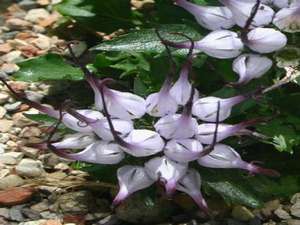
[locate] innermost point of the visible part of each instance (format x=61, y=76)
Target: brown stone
x=52, y=222
x=15, y=196
x=5, y=48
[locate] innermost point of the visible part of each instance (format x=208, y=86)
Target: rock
x=295, y=209
x=49, y=215
x=11, y=181
x=9, y=68
x=17, y=24
x=38, y=29
x=21, y=121
x=31, y=214
x=234, y=222
x=3, y=98
x=42, y=42
x=15, y=196
x=270, y=207
x=30, y=132
x=15, y=214
x=34, y=96
x=112, y=219
x=4, y=138
x=242, y=213
x=293, y=222
x=30, y=152
x=6, y=125
x=37, y=222
x=2, y=112
x=144, y=210
x=4, y=172
x=11, y=158
x=35, y=15
x=53, y=222
x=4, y=212
x=282, y=214
x=12, y=57
x=62, y=166
x=13, y=106
x=80, y=202
x=5, y=48
x=295, y=198
x=41, y=206
x=30, y=168
x=27, y=4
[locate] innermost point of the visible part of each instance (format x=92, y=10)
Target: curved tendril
x=245, y=30
x=208, y=149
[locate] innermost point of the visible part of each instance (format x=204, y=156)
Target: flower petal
x=76, y=141
x=131, y=179
x=288, y=19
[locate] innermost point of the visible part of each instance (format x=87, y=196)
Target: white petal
x=266, y=40
x=76, y=141
x=206, y=132
x=251, y=66
x=210, y=17
x=191, y=185
x=167, y=171
x=143, y=143
x=74, y=124
x=242, y=10
x=288, y=19
x=99, y=152
x=131, y=179
x=223, y=156
x=281, y=3
x=122, y=127
x=183, y=150
x=176, y=126
x=221, y=44
x=159, y=104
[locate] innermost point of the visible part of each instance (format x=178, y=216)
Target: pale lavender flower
x=141, y=143
x=131, y=179
x=76, y=141
x=183, y=150
x=251, y=66
x=206, y=108
x=210, y=17
x=265, y=40
x=167, y=171
x=242, y=10
x=288, y=19
x=191, y=185
x=176, y=126
x=223, y=156
x=161, y=103
x=206, y=131
x=100, y=152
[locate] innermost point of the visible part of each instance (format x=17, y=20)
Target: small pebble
x=30, y=168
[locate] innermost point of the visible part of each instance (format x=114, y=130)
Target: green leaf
x=47, y=68
x=146, y=40
x=104, y=16
x=40, y=118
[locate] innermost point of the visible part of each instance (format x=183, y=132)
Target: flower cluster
x=186, y=127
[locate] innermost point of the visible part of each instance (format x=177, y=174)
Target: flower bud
x=99, y=152
x=183, y=150
x=223, y=156
x=242, y=10
x=251, y=66
x=131, y=179
x=161, y=103
x=191, y=185
x=206, y=108
x=141, y=143
x=176, y=126
x=209, y=17
x=265, y=40
x=167, y=171
x=76, y=141
x=288, y=19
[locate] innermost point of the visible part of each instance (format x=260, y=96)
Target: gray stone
x=17, y=24
x=6, y=125
x=8, y=35
x=31, y=214
x=15, y=214
x=30, y=168
x=35, y=15
x=12, y=106
x=11, y=181
x=4, y=173
x=41, y=206
x=293, y=222
x=12, y=57
x=34, y=96
x=49, y=215
x=2, y=148
x=30, y=152
x=295, y=209
x=11, y=158
x=4, y=212
x=295, y=198
x=27, y=4
x=282, y=214
x=4, y=138
x=36, y=222
x=30, y=132
x=3, y=97
x=2, y=112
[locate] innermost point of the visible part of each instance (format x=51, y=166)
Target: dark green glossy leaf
x=46, y=68
x=147, y=41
